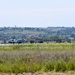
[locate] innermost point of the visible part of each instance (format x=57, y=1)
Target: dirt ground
x=42, y=73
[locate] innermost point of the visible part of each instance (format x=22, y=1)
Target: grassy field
x=57, y=57
x=36, y=46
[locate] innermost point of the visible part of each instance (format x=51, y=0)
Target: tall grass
x=32, y=61
x=36, y=57
x=20, y=67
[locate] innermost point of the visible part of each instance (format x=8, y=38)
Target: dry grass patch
x=42, y=73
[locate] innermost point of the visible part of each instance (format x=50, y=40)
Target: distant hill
x=43, y=33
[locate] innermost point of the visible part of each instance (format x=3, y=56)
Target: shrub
x=49, y=66
x=60, y=66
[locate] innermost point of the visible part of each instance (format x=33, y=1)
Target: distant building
x=17, y=41
x=21, y=41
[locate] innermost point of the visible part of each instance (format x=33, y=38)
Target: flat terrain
x=50, y=58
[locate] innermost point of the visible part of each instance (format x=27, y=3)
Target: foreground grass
x=37, y=57
x=34, y=61
x=20, y=67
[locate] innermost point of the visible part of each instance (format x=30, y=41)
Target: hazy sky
x=37, y=13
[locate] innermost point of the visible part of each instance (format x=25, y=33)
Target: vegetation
x=50, y=49
x=59, y=57
x=39, y=46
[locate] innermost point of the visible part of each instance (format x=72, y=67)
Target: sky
x=37, y=13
